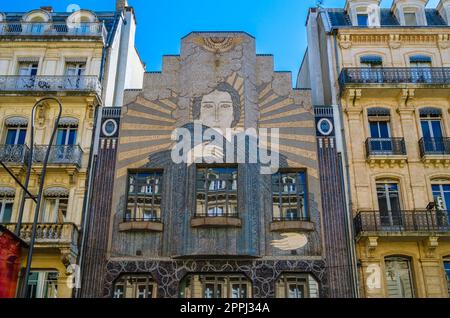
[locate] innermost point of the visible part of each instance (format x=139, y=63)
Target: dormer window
x=363, y=19
x=410, y=18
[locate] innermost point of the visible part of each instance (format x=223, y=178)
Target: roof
x=339, y=18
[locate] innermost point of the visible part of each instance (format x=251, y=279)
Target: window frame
x=128, y=216
x=228, y=192
x=302, y=215
x=132, y=281
x=409, y=261
x=5, y=200
x=42, y=283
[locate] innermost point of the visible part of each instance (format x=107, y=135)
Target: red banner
x=10, y=248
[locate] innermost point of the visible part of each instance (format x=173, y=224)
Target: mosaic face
x=216, y=110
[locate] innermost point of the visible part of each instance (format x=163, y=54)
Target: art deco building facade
x=387, y=71
x=168, y=229
x=74, y=57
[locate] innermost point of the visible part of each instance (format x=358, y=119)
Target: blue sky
x=278, y=25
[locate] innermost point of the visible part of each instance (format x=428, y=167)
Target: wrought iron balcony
x=14, y=154
x=395, y=75
x=434, y=146
x=78, y=84
x=47, y=29
x=128, y=218
x=402, y=221
x=59, y=155
x=385, y=147
x=49, y=233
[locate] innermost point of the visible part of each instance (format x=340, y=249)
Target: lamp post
x=23, y=288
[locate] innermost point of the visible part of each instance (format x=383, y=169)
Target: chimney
x=47, y=8
x=121, y=4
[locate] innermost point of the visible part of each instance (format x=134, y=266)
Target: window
x=55, y=210
x=217, y=192
x=432, y=132
x=363, y=19
x=421, y=68
x=67, y=136
x=213, y=286
x=447, y=272
x=371, y=68
x=16, y=136
x=43, y=284
x=74, y=73
x=27, y=72
x=441, y=194
x=380, y=134
x=399, y=277
x=144, y=196
x=6, y=205
x=129, y=286
x=297, y=286
x=410, y=19
x=289, y=196
x=389, y=204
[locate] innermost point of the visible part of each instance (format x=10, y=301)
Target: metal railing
x=434, y=146
x=385, y=146
x=395, y=75
x=60, y=154
x=233, y=215
x=90, y=29
x=145, y=219
x=14, y=154
x=402, y=221
x=43, y=83
x=290, y=218
x=62, y=233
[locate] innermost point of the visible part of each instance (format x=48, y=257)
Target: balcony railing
x=155, y=219
x=434, y=146
x=59, y=155
x=51, y=233
x=385, y=147
x=14, y=154
x=395, y=75
x=92, y=29
x=290, y=218
x=402, y=221
x=234, y=215
x=19, y=83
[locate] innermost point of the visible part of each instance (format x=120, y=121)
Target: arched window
x=135, y=286
x=441, y=196
x=36, y=22
x=399, y=279
x=293, y=285
x=82, y=22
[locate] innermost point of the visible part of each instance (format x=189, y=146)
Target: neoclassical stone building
x=163, y=228
x=387, y=71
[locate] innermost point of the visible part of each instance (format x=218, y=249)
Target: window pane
x=72, y=137
x=410, y=19
x=363, y=19
x=288, y=194
x=144, y=196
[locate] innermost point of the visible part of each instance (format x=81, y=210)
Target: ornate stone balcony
x=416, y=223
x=10, y=84
x=63, y=236
x=14, y=154
x=50, y=29
x=386, y=151
x=435, y=151
x=395, y=77
x=67, y=155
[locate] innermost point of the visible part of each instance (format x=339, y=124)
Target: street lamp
x=23, y=288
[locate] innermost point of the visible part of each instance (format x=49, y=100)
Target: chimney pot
x=121, y=4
